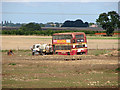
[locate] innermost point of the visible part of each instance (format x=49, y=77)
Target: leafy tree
x=77, y=23
x=109, y=21
x=91, y=24
x=57, y=24
x=31, y=27
x=42, y=25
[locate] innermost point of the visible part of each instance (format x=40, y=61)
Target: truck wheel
x=33, y=53
x=45, y=53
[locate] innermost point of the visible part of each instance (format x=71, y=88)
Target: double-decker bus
x=69, y=43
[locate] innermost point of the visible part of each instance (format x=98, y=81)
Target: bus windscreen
x=79, y=36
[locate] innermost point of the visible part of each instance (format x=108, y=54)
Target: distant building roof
x=94, y=25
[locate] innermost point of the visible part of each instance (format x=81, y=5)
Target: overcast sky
x=42, y=12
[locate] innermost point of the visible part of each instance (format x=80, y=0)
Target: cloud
x=60, y=0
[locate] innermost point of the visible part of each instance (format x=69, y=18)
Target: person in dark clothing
x=10, y=52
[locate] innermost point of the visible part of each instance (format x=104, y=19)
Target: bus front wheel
x=68, y=53
x=79, y=53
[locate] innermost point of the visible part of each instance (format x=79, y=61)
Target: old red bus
x=69, y=43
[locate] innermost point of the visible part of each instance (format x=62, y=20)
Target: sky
x=42, y=12
x=60, y=0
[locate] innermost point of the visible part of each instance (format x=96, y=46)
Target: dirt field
x=22, y=70
x=25, y=42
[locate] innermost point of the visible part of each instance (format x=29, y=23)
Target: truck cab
x=42, y=49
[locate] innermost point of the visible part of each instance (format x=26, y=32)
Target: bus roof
x=75, y=33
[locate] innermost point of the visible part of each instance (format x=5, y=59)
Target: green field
x=103, y=37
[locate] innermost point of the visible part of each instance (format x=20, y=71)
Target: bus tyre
x=68, y=53
x=81, y=53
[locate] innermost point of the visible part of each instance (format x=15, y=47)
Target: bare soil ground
x=25, y=42
x=22, y=70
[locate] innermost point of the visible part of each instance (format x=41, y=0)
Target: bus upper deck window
x=54, y=37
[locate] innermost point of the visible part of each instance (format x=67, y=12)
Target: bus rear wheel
x=68, y=53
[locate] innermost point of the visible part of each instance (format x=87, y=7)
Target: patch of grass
x=103, y=38
x=91, y=35
x=40, y=38
x=118, y=49
x=45, y=67
x=12, y=64
x=117, y=69
x=29, y=54
x=98, y=52
x=24, y=50
x=6, y=50
x=15, y=50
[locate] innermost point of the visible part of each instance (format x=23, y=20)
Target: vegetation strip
x=104, y=38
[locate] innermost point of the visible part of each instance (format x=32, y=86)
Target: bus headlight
x=85, y=45
x=79, y=50
x=82, y=40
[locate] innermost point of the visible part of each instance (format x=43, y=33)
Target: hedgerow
x=43, y=32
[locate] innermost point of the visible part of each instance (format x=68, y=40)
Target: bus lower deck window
x=63, y=47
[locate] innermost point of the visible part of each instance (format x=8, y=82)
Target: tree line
x=109, y=21
x=44, y=32
x=35, y=29
x=10, y=24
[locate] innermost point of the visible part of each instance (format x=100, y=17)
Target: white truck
x=42, y=49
